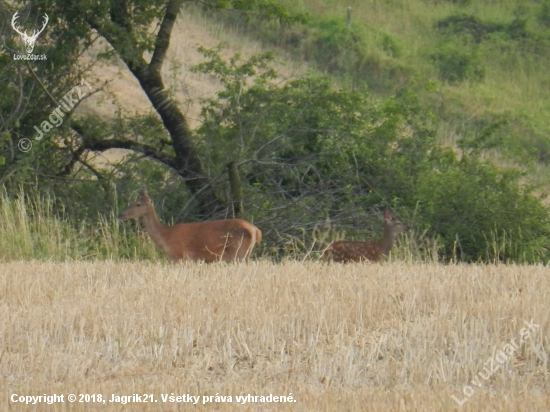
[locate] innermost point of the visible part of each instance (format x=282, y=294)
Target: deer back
x=231, y=239
x=345, y=251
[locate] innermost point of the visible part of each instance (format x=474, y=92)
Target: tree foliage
x=308, y=152
x=138, y=32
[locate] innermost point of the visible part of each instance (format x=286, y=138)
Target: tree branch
x=148, y=151
x=74, y=159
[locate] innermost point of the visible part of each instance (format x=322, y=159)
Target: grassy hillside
x=406, y=76
x=354, y=338
x=482, y=66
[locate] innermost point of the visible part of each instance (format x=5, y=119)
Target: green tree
x=125, y=25
x=309, y=152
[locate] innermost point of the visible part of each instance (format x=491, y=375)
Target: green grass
x=34, y=230
x=399, y=38
x=513, y=79
x=33, y=227
x=392, y=43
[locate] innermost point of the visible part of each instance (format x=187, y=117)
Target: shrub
x=458, y=60
x=482, y=213
x=309, y=152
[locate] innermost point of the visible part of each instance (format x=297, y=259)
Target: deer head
x=29, y=40
x=139, y=208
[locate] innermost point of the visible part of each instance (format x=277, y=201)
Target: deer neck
x=387, y=241
x=153, y=226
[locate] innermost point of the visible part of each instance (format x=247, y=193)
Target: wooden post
x=236, y=190
x=349, y=18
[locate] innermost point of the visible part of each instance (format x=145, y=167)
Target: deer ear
x=387, y=215
x=144, y=195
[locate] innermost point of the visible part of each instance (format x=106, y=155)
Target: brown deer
x=231, y=239
x=375, y=251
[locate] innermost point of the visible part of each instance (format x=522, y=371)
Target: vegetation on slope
x=435, y=108
x=477, y=64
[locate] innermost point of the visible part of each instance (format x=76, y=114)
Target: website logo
x=29, y=40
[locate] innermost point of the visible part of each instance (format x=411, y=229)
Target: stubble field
x=327, y=337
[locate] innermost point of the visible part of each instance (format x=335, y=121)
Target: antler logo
x=29, y=40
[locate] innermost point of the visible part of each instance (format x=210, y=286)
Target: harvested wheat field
x=320, y=337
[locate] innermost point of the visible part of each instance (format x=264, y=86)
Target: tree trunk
x=236, y=190
x=187, y=162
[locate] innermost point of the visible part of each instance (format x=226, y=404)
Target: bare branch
x=148, y=151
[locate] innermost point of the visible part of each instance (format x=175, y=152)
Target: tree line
x=298, y=158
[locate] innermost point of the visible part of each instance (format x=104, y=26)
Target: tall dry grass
x=35, y=227
x=355, y=337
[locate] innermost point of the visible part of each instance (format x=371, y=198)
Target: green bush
x=347, y=155
x=357, y=53
x=460, y=2
x=458, y=60
x=482, y=213
x=544, y=13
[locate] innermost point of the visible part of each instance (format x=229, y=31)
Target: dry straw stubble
x=338, y=337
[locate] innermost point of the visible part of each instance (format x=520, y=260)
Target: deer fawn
x=345, y=252
x=231, y=239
